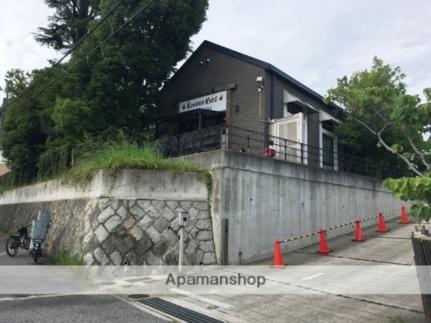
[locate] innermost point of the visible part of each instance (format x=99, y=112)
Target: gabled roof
x=267, y=66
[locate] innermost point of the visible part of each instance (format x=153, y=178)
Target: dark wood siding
x=223, y=72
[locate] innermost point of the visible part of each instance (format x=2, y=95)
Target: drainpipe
x=272, y=112
x=271, y=109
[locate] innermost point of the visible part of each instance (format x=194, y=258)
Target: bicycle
x=21, y=240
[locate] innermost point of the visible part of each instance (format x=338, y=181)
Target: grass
x=67, y=259
x=116, y=156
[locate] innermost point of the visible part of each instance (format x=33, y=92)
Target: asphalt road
x=72, y=309
x=75, y=308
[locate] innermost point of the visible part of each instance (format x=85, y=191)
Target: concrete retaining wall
x=131, y=217
x=257, y=200
x=127, y=184
x=127, y=218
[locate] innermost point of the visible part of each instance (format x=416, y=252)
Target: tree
x=128, y=71
x=356, y=141
x=69, y=23
x=22, y=135
x=377, y=100
x=110, y=86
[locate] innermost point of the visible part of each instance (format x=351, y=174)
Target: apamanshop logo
x=215, y=280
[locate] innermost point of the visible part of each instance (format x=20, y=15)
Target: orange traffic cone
x=278, y=258
x=404, y=216
x=381, y=224
x=358, y=232
x=324, y=249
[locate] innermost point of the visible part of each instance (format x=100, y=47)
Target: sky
x=18, y=49
x=314, y=41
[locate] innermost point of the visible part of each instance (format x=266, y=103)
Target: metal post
x=302, y=154
x=178, y=145
x=183, y=219
x=200, y=134
x=181, y=252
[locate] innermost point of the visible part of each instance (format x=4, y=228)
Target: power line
x=92, y=51
x=85, y=57
x=69, y=51
x=83, y=38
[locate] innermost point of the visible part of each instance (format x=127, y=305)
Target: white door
x=288, y=137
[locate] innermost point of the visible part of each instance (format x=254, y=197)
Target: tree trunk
x=81, y=16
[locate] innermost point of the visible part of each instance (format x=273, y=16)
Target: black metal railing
x=205, y=139
x=260, y=144
x=256, y=143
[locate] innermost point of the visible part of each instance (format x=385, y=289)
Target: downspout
x=271, y=114
x=271, y=109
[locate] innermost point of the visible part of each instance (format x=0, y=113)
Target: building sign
x=213, y=102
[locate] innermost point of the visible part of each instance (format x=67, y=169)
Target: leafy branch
x=377, y=100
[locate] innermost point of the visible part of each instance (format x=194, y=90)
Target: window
x=328, y=125
x=293, y=108
x=328, y=151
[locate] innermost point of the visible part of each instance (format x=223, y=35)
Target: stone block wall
x=127, y=219
x=145, y=232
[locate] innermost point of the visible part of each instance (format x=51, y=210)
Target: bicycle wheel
x=37, y=253
x=12, y=246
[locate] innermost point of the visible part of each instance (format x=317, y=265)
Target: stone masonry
x=145, y=232
x=126, y=218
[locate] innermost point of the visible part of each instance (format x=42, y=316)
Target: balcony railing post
x=179, y=145
x=301, y=145
x=201, y=134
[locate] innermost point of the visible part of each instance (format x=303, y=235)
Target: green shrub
x=67, y=259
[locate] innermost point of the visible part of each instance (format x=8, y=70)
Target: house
x=256, y=104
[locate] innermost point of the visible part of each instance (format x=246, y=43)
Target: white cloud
x=18, y=49
x=318, y=41
x=314, y=41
